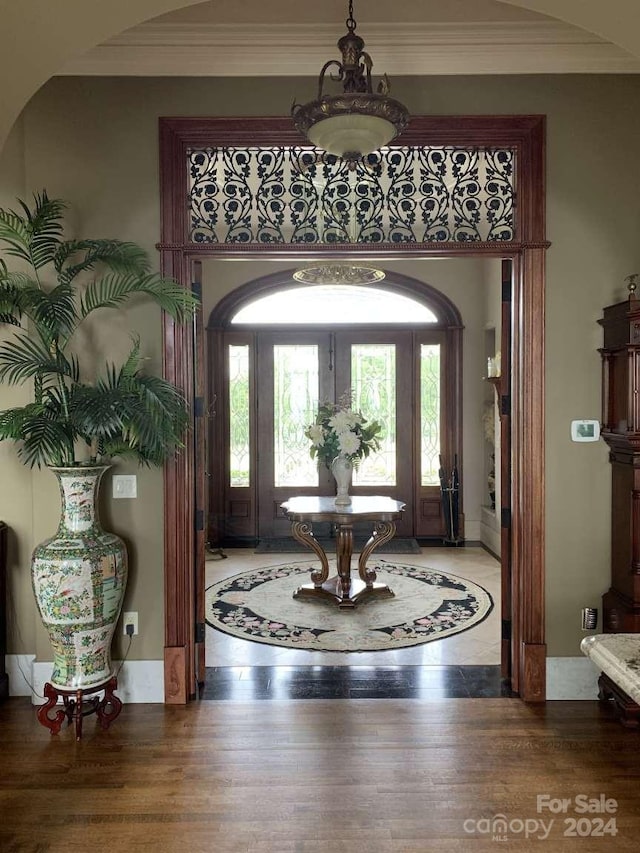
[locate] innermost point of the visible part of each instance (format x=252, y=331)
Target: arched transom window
x=337, y=304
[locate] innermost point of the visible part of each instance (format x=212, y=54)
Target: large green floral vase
x=79, y=577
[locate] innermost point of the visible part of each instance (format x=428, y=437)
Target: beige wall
x=15, y=482
x=94, y=141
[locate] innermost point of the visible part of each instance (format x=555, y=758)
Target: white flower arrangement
x=340, y=431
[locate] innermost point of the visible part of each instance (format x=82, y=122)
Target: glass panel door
x=295, y=402
x=239, y=416
x=373, y=384
x=232, y=435
x=377, y=367
x=431, y=437
x=429, y=414
x=293, y=375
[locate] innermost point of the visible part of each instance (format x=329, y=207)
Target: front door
x=275, y=380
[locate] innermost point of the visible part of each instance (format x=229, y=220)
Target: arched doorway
x=278, y=349
x=523, y=404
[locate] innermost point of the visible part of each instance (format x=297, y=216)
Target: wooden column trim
x=179, y=512
x=528, y=476
x=175, y=675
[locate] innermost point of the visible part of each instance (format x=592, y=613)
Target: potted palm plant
x=79, y=420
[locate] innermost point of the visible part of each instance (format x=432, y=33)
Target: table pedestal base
x=332, y=590
x=75, y=706
x=342, y=589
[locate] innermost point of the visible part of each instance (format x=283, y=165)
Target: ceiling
x=289, y=38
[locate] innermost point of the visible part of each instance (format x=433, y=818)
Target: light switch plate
x=125, y=486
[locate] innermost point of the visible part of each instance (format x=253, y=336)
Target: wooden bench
x=617, y=656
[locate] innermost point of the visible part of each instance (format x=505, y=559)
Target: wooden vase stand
x=76, y=706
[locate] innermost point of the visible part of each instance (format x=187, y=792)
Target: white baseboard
x=490, y=535
x=571, y=678
x=139, y=681
x=471, y=529
x=20, y=672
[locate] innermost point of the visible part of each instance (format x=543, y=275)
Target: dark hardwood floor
x=321, y=776
x=352, y=682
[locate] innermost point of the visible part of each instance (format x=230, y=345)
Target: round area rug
x=428, y=605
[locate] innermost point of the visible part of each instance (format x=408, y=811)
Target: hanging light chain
x=350, y=22
x=355, y=121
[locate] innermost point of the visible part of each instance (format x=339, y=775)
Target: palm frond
x=74, y=367
x=115, y=289
x=96, y=411
x=131, y=366
x=12, y=420
x=42, y=437
x=153, y=413
x=20, y=295
x=56, y=310
x=10, y=308
x=157, y=422
x=22, y=358
x=117, y=255
x=9, y=319
x=16, y=280
x=44, y=228
x=35, y=235
x=46, y=442
x=14, y=233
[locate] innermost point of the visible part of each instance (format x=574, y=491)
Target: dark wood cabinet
x=4, y=678
x=621, y=431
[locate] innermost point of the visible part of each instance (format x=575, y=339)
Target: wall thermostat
x=585, y=430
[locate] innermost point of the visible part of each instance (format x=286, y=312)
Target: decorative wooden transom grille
x=298, y=196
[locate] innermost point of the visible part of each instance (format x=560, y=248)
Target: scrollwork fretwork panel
x=297, y=196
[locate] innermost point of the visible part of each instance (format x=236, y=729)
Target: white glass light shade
x=351, y=134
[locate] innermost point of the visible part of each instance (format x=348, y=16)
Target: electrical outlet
x=125, y=486
x=130, y=619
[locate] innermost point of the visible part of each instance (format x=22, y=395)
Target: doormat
x=289, y=545
x=428, y=605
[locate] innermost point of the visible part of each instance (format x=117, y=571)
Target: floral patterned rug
x=428, y=605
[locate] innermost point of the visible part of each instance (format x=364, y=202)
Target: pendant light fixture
x=357, y=121
x=337, y=273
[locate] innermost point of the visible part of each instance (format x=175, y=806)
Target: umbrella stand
x=450, y=497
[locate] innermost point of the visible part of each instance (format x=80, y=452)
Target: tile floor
x=477, y=647
x=251, y=683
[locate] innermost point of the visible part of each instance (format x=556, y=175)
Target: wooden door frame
x=526, y=135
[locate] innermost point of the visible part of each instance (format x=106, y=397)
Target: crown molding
x=169, y=49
